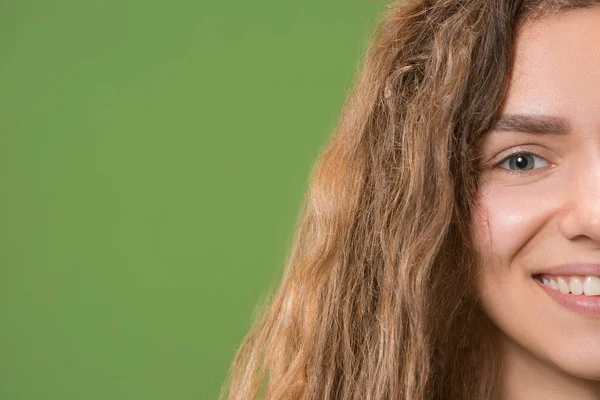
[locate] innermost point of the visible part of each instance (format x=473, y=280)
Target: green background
x=154, y=158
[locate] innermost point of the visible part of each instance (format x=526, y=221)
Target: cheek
x=502, y=224
x=504, y=231
x=507, y=228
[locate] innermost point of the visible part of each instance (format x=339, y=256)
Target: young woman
x=450, y=244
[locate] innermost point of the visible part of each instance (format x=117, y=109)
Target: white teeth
x=591, y=286
x=576, y=286
x=563, y=286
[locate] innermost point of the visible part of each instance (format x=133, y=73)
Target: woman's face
x=538, y=214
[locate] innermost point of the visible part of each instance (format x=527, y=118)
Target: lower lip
x=589, y=305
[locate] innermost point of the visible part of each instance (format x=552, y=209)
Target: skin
x=547, y=215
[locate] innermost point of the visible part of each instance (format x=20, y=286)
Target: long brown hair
x=378, y=299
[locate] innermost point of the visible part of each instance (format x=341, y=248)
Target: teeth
x=563, y=286
x=576, y=286
x=546, y=281
x=589, y=285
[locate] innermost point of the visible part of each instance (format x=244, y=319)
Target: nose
x=581, y=193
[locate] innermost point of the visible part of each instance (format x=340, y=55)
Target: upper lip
x=578, y=268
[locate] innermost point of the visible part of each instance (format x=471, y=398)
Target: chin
x=579, y=357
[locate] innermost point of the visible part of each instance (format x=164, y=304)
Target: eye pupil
x=521, y=162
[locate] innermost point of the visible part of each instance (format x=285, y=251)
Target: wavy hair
x=378, y=299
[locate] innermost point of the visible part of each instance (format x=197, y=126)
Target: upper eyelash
x=516, y=153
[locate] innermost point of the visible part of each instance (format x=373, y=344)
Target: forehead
x=556, y=67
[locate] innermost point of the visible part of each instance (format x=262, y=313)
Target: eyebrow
x=536, y=124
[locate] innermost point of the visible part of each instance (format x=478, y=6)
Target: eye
x=521, y=162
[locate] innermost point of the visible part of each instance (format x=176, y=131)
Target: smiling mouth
x=576, y=285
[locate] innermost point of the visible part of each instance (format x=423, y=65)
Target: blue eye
x=521, y=162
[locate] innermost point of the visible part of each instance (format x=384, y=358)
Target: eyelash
x=515, y=154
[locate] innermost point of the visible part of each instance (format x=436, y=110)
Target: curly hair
x=378, y=297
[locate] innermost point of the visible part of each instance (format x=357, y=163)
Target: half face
x=537, y=224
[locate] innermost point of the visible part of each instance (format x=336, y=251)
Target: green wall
x=154, y=158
